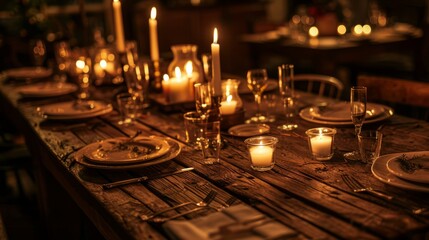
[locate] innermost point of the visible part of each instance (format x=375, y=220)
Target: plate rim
x=125, y=161
x=405, y=176
x=71, y=88
x=44, y=72
x=388, y=112
x=173, y=152
x=391, y=179
x=333, y=119
x=267, y=129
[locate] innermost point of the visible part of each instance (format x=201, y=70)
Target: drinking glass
x=286, y=87
x=358, y=98
x=257, y=82
x=203, y=98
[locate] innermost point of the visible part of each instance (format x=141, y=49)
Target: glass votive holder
x=261, y=150
x=321, y=142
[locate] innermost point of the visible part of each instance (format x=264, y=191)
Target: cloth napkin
x=236, y=222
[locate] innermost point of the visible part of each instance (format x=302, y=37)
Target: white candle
x=216, y=65
x=119, y=26
x=228, y=106
x=153, y=34
x=321, y=145
x=261, y=156
x=176, y=88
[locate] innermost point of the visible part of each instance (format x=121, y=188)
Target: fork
x=202, y=204
x=357, y=187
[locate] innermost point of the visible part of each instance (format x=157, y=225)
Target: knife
x=144, y=178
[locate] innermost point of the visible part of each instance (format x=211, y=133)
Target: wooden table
x=308, y=196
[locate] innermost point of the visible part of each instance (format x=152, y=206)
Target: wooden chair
x=407, y=97
x=322, y=85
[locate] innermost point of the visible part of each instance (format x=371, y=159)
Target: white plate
x=171, y=154
x=308, y=115
x=28, y=73
x=420, y=175
x=119, y=151
x=341, y=111
x=68, y=110
x=249, y=130
x=380, y=171
x=49, y=89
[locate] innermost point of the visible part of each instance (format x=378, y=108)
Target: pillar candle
x=153, y=34
x=228, y=106
x=216, y=65
x=119, y=26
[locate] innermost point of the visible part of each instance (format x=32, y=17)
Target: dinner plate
x=69, y=110
x=249, y=129
x=380, y=171
x=416, y=167
x=308, y=115
x=173, y=152
x=50, y=89
x=340, y=111
x=28, y=73
x=119, y=151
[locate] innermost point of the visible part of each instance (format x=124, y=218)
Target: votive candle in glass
x=321, y=142
x=261, y=150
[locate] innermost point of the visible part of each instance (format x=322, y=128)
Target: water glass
x=286, y=88
x=203, y=98
x=193, y=128
x=269, y=106
x=210, y=141
x=261, y=150
x=130, y=108
x=369, y=145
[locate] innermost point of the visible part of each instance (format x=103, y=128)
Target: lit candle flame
x=341, y=29
x=229, y=98
x=188, y=68
x=215, y=35
x=80, y=64
x=153, y=13
x=178, y=73
x=165, y=77
x=313, y=32
x=103, y=64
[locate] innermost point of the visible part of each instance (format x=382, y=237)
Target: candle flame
x=215, y=35
x=103, y=64
x=229, y=98
x=165, y=77
x=366, y=29
x=115, y=0
x=178, y=73
x=341, y=29
x=153, y=13
x=188, y=68
x=313, y=32
x=320, y=132
x=80, y=64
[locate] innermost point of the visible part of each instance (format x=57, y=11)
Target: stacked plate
x=47, y=89
x=74, y=110
x=123, y=153
x=25, y=73
x=408, y=170
x=339, y=113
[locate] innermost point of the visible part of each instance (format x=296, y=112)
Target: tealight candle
x=175, y=89
x=261, y=150
x=320, y=141
x=228, y=106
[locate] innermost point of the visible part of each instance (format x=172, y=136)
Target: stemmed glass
x=62, y=58
x=286, y=87
x=358, y=99
x=257, y=82
x=203, y=99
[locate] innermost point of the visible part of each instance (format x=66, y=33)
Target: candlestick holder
x=157, y=78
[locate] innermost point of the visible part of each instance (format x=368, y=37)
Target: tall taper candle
x=119, y=26
x=153, y=32
x=216, y=78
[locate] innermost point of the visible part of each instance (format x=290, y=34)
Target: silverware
x=357, y=187
x=203, y=203
x=142, y=179
x=165, y=219
x=133, y=137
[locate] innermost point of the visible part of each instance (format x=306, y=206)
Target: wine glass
x=286, y=87
x=203, y=98
x=38, y=52
x=358, y=98
x=62, y=59
x=257, y=82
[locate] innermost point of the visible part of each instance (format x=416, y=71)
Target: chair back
x=402, y=92
x=322, y=85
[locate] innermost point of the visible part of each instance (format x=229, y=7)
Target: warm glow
x=215, y=35
x=115, y=0
x=320, y=132
x=366, y=29
x=153, y=13
x=189, y=68
x=103, y=64
x=229, y=98
x=178, y=73
x=80, y=64
x=313, y=32
x=165, y=77
x=341, y=29
x=358, y=29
